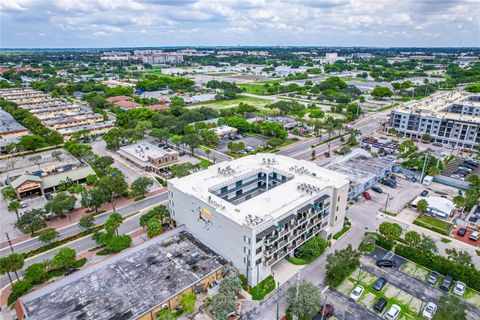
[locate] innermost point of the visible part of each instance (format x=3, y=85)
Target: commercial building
x=134, y=284
x=154, y=57
x=449, y=117
x=43, y=172
x=116, y=55
x=224, y=130
x=258, y=209
x=363, y=170
x=147, y=156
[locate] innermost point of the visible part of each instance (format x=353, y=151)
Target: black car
x=446, y=283
x=424, y=193
x=471, y=163
x=380, y=305
x=379, y=284
x=433, y=277
x=462, y=231
x=377, y=189
x=68, y=272
x=386, y=263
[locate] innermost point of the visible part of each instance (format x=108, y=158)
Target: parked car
x=181, y=153
x=49, y=196
x=386, y=263
x=380, y=305
x=379, y=284
x=326, y=312
x=327, y=154
x=475, y=235
x=357, y=293
x=70, y=271
x=437, y=144
x=388, y=183
x=459, y=288
x=393, y=312
x=23, y=205
x=429, y=310
x=465, y=168
x=424, y=193
x=367, y=195
x=469, y=165
x=446, y=283
x=462, y=231
x=249, y=149
x=377, y=189
x=433, y=277
x=471, y=162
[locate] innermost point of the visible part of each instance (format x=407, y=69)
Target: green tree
x=312, y=249
x=154, y=228
x=426, y=137
x=341, y=264
x=19, y=288
x=14, y=206
x=9, y=194
x=422, y=205
x=428, y=244
x=31, y=220
x=434, y=171
x=187, y=301
x=381, y=92
x=193, y=141
x=113, y=222
x=450, y=308
x=140, y=186
x=460, y=257
x=159, y=213
x=48, y=235
x=235, y=147
x=405, y=146
x=93, y=199
x=391, y=231
x=314, y=153
x=60, y=204
x=304, y=300
x=87, y=222
x=15, y=261
x=222, y=305
x=413, y=238
x=5, y=268
x=36, y=273
x=64, y=259
x=112, y=186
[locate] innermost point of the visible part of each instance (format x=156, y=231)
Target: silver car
x=459, y=288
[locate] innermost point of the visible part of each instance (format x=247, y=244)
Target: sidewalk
x=76, y=214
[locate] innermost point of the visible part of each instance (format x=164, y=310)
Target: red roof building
x=128, y=105
x=115, y=99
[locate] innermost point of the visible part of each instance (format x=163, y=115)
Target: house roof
x=76, y=174
x=158, y=107
x=118, y=98
x=24, y=178
x=128, y=104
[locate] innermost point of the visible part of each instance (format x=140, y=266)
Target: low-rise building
x=224, y=130
x=134, y=284
x=363, y=170
x=438, y=207
x=147, y=156
x=127, y=105
x=9, y=127
x=258, y=209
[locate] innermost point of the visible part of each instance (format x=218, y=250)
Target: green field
x=258, y=87
x=257, y=102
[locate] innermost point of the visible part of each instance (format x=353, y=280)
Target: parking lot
x=249, y=141
x=406, y=287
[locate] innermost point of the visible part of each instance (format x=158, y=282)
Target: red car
x=367, y=195
x=326, y=312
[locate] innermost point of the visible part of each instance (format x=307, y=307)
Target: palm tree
x=14, y=206
x=207, y=152
x=4, y=268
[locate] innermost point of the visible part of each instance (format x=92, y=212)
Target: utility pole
x=424, y=165
x=9, y=242
x=278, y=300
x=386, y=202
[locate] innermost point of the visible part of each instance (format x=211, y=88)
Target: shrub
x=36, y=273
x=312, y=249
x=467, y=274
x=19, y=288
x=119, y=243
x=266, y=286
x=385, y=243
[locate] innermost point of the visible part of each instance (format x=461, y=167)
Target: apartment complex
x=10, y=130
x=158, y=56
x=258, y=209
x=116, y=55
x=56, y=113
x=449, y=117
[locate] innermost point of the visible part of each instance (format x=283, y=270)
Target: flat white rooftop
x=144, y=150
x=437, y=104
x=270, y=204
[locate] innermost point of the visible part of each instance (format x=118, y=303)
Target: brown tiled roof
x=158, y=107
x=128, y=104
x=118, y=98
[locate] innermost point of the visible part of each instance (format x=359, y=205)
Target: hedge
x=431, y=227
x=469, y=275
x=384, y=242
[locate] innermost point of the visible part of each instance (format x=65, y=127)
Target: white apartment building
x=258, y=209
x=116, y=55
x=449, y=117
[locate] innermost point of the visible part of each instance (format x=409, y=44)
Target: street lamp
x=9, y=242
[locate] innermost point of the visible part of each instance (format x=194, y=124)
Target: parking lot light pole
x=9, y=242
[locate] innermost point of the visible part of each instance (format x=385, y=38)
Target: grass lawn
x=297, y=261
x=340, y=233
x=263, y=288
x=445, y=240
x=433, y=224
x=233, y=102
x=472, y=296
x=478, y=252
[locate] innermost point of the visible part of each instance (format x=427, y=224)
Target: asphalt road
x=86, y=243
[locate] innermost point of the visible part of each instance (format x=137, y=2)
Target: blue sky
x=130, y=23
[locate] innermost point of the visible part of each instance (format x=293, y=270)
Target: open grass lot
x=258, y=87
x=411, y=306
x=257, y=102
x=434, y=224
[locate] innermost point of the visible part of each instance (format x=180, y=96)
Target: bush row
x=431, y=227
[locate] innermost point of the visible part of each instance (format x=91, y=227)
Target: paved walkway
x=76, y=214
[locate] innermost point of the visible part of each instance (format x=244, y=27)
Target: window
x=337, y=208
x=258, y=261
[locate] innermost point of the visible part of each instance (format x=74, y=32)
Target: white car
x=459, y=288
x=475, y=235
x=429, y=310
x=393, y=312
x=357, y=293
